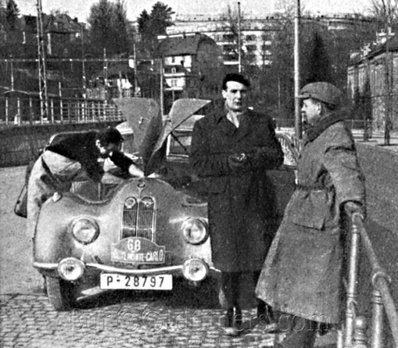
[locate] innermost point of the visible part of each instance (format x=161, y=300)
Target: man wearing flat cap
x=302, y=274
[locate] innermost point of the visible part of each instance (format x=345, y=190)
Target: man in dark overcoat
x=231, y=150
x=302, y=274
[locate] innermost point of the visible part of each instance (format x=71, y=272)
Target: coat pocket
x=309, y=209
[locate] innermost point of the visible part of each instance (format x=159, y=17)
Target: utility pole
x=297, y=112
x=43, y=93
x=239, y=42
x=387, y=121
x=161, y=86
x=105, y=75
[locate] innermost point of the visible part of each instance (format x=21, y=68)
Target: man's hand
x=352, y=207
x=135, y=171
x=238, y=162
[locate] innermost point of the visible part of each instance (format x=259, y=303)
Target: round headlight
x=195, y=270
x=85, y=230
x=194, y=231
x=71, y=268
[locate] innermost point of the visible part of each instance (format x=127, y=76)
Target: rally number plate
x=135, y=282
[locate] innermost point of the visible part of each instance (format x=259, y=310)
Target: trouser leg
x=230, y=282
x=264, y=311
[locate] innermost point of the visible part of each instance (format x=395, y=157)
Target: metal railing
x=24, y=110
x=355, y=326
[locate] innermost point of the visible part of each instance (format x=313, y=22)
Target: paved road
x=184, y=318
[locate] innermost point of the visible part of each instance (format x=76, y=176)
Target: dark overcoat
x=239, y=201
x=302, y=274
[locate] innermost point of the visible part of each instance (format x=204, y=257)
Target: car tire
x=60, y=293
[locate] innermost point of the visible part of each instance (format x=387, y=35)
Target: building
x=191, y=66
x=256, y=33
x=368, y=66
x=19, y=51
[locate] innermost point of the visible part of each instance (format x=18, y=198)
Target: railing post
x=377, y=320
x=18, y=117
x=61, y=110
x=352, y=285
x=52, y=110
x=7, y=111
x=30, y=110
x=359, y=335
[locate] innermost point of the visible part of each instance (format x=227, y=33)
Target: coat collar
x=228, y=128
x=324, y=123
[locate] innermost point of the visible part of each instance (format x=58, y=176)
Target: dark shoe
x=324, y=328
x=299, y=338
x=238, y=319
x=233, y=322
x=265, y=317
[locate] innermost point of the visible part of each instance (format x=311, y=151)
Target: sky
x=81, y=8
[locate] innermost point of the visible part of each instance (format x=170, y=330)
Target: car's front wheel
x=60, y=293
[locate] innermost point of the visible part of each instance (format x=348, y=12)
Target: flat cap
x=322, y=91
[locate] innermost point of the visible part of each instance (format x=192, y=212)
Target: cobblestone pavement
x=119, y=321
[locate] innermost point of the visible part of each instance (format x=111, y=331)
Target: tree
x=385, y=10
x=109, y=27
x=11, y=14
x=154, y=24
x=366, y=101
x=319, y=63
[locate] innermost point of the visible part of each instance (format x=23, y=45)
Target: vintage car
x=136, y=233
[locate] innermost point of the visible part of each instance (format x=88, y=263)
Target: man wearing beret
x=70, y=156
x=232, y=148
x=302, y=274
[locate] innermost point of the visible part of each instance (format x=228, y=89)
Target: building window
x=250, y=37
x=251, y=48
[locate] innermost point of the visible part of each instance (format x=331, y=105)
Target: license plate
x=136, y=282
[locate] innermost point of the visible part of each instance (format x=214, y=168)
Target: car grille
x=139, y=218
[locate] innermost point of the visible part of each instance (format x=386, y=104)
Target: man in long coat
x=231, y=150
x=302, y=274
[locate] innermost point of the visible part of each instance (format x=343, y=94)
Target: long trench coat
x=240, y=202
x=302, y=274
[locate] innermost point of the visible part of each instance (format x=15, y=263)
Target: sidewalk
x=377, y=139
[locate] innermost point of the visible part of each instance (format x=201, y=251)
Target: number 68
x=134, y=245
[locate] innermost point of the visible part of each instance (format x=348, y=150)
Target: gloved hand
x=238, y=162
x=352, y=207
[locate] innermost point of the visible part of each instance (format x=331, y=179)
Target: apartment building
x=257, y=33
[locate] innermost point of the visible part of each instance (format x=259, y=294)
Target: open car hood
x=180, y=111
x=150, y=131
x=138, y=113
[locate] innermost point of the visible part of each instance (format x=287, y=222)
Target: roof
x=182, y=45
x=357, y=58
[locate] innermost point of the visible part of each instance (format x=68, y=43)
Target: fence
x=24, y=109
x=355, y=325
